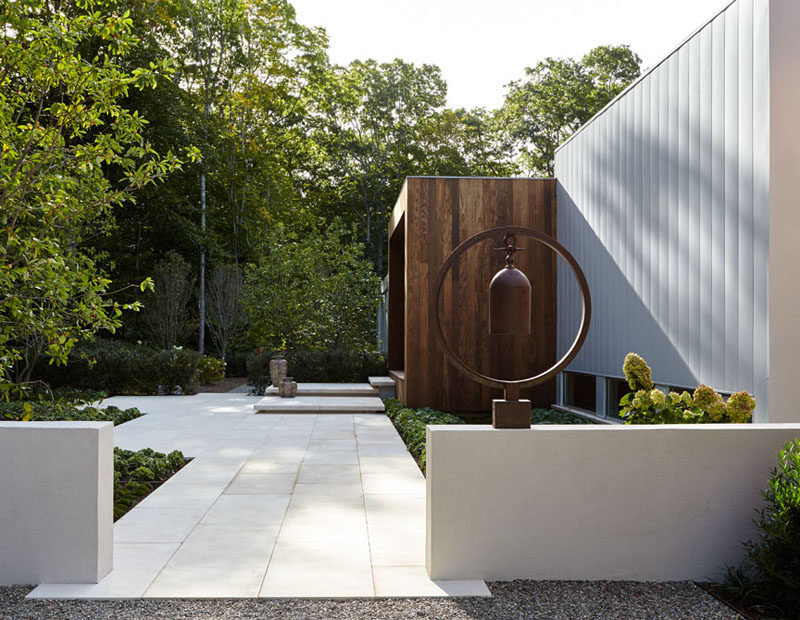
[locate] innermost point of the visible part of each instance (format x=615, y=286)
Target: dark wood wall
x=432, y=216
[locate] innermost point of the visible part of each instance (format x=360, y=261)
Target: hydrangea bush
x=646, y=404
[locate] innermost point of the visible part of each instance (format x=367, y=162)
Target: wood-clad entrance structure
x=432, y=216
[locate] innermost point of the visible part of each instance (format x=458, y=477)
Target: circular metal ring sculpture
x=513, y=386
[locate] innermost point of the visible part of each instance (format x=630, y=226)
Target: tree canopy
x=219, y=132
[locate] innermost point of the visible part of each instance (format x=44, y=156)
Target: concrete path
x=294, y=505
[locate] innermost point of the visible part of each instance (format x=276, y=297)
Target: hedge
x=121, y=368
x=318, y=367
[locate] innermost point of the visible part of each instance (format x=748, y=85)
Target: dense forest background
x=270, y=231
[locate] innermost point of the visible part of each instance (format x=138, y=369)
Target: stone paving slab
x=330, y=389
x=320, y=404
x=296, y=505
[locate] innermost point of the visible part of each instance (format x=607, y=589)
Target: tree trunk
x=201, y=297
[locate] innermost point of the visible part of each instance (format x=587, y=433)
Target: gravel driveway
x=516, y=599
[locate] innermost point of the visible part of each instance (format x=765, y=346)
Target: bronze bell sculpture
x=510, y=297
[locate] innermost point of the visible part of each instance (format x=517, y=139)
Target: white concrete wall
x=784, y=220
x=642, y=503
x=56, y=502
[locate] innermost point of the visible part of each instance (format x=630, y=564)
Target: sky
x=481, y=46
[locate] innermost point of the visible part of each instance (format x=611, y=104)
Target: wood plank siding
x=432, y=216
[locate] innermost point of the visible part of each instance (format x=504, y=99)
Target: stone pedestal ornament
x=287, y=388
x=278, y=367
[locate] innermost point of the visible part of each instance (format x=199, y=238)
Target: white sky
x=481, y=45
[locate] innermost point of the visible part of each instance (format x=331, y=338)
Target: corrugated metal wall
x=664, y=200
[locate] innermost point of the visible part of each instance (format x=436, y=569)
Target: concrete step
x=384, y=385
x=330, y=389
x=320, y=404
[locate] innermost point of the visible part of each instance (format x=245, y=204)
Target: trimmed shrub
x=318, y=367
x=122, y=368
x=210, y=370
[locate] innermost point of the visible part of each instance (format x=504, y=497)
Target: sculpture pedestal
x=511, y=413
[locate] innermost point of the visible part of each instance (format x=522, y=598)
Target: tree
x=70, y=153
x=557, y=96
x=224, y=313
x=167, y=307
x=312, y=291
x=375, y=113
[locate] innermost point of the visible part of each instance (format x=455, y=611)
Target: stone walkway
x=294, y=505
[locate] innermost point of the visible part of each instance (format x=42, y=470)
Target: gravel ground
x=514, y=599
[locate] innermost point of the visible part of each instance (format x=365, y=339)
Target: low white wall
x=56, y=502
x=644, y=503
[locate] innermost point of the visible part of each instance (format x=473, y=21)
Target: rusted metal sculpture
x=510, y=313
x=510, y=296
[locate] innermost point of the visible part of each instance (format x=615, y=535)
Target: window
x=579, y=391
x=615, y=390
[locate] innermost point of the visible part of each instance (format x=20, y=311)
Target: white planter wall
x=642, y=503
x=56, y=502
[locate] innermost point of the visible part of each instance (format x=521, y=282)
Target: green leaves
x=313, y=291
x=136, y=474
x=71, y=153
x=557, y=96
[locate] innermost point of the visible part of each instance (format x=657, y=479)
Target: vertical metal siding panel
x=761, y=130
x=653, y=201
x=671, y=192
x=681, y=285
x=663, y=199
x=635, y=209
x=673, y=201
x=717, y=232
x=745, y=193
x=693, y=172
x=731, y=193
x=706, y=199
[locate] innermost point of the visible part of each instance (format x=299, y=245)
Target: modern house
x=680, y=201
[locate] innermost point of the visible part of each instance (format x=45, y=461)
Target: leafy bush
x=311, y=290
x=649, y=405
x=122, y=368
x=210, y=370
x=63, y=409
x=318, y=367
x=776, y=555
x=136, y=474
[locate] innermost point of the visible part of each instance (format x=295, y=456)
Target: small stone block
x=511, y=413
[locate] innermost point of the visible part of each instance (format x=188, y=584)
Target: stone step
x=384, y=385
x=330, y=389
x=320, y=404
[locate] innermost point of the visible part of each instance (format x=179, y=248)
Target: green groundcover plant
x=646, y=404
x=411, y=423
x=138, y=473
